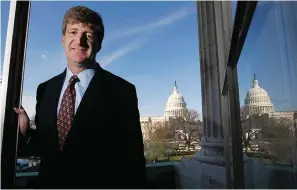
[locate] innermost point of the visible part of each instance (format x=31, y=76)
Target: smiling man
x=88, y=132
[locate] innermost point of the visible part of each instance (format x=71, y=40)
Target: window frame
x=243, y=17
x=11, y=88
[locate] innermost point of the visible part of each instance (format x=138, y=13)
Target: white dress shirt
x=80, y=87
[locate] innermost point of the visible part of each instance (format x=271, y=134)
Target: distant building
x=175, y=107
x=258, y=111
x=257, y=101
x=259, y=108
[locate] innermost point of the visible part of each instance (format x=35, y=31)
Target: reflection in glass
x=267, y=72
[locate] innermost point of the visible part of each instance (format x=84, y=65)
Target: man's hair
x=86, y=16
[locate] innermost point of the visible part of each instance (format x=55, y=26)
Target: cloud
x=132, y=46
x=164, y=21
x=144, y=30
x=28, y=103
x=43, y=56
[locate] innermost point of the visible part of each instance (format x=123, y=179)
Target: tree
x=188, y=127
x=250, y=128
x=157, y=146
x=276, y=139
x=247, y=139
x=274, y=136
x=157, y=131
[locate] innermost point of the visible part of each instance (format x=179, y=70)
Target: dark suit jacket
x=104, y=148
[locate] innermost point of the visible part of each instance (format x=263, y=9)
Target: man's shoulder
x=119, y=82
x=114, y=81
x=43, y=85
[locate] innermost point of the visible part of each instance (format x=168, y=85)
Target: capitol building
x=258, y=102
x=258, y=111
x=175, y=107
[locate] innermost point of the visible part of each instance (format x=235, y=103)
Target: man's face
x=80, y=43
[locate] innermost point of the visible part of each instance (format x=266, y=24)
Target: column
x=215, y=31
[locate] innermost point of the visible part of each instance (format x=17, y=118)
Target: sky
x=150, y=44
x=270, y=53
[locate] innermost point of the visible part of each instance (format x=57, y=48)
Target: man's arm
x=136, y=151
x=28, y=145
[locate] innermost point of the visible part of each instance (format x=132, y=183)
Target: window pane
x=156, y=52
x=267, y=72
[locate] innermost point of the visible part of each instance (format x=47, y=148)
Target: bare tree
x=274, y=136
x=156, y=146
x=188, y=128
x=247, y=139
x=276, y=129
x=251, y=127
x=158, y=131
x=276, y=139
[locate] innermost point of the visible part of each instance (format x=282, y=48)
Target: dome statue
x=257, y=100
x=176, y=105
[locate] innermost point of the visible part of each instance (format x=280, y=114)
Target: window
x=267, y=66
x=150, y=51
x=154, y=50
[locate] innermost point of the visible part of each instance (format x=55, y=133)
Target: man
x=88, y=132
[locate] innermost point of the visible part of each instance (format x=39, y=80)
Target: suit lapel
x=51, y=105
x=56, y=92
x=94, y=90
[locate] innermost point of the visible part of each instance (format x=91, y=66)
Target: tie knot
x=73, y=79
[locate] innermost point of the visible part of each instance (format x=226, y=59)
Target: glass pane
x=267, y=73
x=155, y=52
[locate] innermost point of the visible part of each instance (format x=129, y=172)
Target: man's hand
x=23, y=119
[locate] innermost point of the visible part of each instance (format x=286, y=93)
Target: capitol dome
x=257, y=100
x=176, y=105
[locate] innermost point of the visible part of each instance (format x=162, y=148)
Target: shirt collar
x=84, y=76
